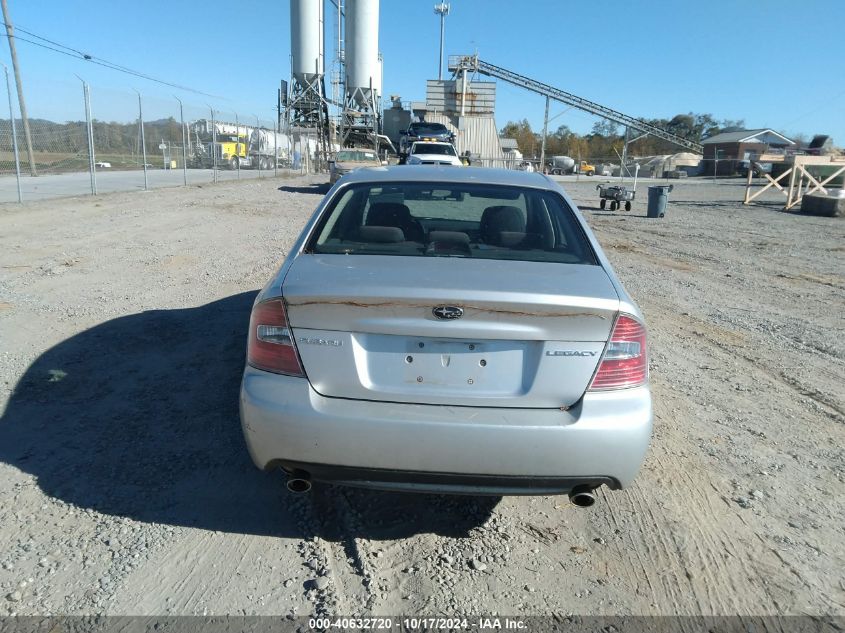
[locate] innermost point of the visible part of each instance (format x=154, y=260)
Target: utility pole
x=10, y=31
x=442, y=10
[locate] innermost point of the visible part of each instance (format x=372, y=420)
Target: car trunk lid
x=530, y=334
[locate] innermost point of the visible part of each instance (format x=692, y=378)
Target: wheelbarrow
x=617, y=195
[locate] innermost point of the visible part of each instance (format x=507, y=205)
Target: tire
x=590, y=173
x=628, y=206
x=602, y=203
x=233, y=163
x=614, y=205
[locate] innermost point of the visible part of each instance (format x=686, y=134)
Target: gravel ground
x=125, y=487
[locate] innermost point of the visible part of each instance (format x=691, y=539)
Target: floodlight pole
x=441, y=9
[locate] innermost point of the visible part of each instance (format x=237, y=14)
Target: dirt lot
x=125, y=487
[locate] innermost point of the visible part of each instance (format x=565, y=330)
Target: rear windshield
x=433, y=148
x=451, y=220
x=355, y=155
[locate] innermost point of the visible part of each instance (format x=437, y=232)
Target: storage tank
x=362, y=67
x=306, y=39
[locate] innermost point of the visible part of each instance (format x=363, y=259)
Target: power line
x=57, y=47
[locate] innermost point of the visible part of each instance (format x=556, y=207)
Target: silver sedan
x=448, y=330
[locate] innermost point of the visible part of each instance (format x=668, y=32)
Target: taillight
x=271, y=346
x=624, y=363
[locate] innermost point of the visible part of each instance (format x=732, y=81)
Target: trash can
x=657, y=197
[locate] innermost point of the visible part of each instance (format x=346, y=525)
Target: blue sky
x=771, y=63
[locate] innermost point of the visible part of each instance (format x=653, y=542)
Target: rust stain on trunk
x=428, y=306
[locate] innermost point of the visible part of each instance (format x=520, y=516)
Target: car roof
x=449, y=174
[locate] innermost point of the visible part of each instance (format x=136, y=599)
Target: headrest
x=388, y=214
x=381, y=234
x=499, y=219
x=448, y=236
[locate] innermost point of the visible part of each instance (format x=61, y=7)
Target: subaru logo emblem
x=447, y=313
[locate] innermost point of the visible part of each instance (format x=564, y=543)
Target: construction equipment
x=268, y=149
x=560, y=165
x=230, y=147
x=471, y=63
x=586, y=168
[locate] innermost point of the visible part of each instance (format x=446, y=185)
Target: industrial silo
x=307, y=110
x=362, y=64
x=306, y=39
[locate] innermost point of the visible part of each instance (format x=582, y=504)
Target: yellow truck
x=586, y=168
x=219, y=143
x=230, y=148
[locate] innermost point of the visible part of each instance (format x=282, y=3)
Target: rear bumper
x=441, y=448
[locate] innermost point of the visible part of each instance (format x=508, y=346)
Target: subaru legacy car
x=448, y=330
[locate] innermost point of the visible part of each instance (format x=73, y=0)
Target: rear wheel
x=627, y=206
x=590, y=173
x=614, y=205
x=602, y=203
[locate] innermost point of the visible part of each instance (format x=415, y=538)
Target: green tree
x=527, y=140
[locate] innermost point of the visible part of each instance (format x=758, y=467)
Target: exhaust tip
x=299, y=481
x=298, y=485
x=582, y=496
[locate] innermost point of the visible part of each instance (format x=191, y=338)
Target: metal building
x=467, y=108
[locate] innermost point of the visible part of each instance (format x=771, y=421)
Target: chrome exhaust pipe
x=299, y=482
x=582, y=496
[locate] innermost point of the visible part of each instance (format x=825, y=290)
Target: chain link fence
x=105, y=140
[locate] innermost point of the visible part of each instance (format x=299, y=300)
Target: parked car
x=423, y=130
x=432, y=153
x=347, y=160
x=448, y=330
